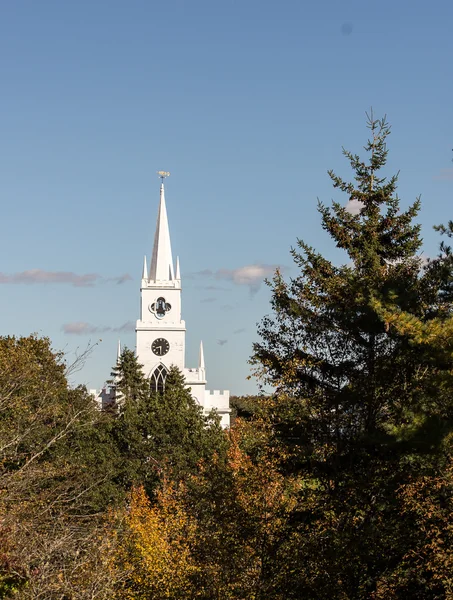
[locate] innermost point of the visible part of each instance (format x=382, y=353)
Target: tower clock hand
x=160, y=346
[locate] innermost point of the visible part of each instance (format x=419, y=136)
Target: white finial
x=178, y=271
x=119, y=352
x=145, y=269
x=201, y=357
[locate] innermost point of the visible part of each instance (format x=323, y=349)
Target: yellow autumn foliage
x=211, y=537
x=154, y=553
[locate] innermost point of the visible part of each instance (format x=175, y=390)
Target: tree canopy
x=338, y=483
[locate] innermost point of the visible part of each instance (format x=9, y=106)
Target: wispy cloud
x=208, y=300
x=241, y=330
x=214, y=288
x=119, y=280
x=222, y=342
x=251, y=276
x=445, y=174
x=354, y=206
x=125, y=327
x=39, y=276
x=81, y=328
x=84, y=328
x=204, y=273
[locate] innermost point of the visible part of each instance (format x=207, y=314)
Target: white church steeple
x=161, y=331
x=162, y=261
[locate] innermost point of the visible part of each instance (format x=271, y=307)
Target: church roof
x=162, y=261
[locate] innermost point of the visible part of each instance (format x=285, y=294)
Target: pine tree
x=159, y=433
x=178, y=435
x=358, y=408
x=128, y=378
x=327, y=339
x=132, y=393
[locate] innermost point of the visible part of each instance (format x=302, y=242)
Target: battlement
x=171, y=284
x=218, y=392
x=194, y=375
x=218, y=400
x=105, y=397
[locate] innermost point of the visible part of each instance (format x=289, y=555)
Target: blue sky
x=247, y=104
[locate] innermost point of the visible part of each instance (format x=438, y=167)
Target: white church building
x=160, y=330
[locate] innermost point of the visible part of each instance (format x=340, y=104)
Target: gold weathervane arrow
x=163, y=175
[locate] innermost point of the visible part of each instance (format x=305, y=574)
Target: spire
x=145, y=269
x=162, y=261
x=119, y=352
x=201, y=357
x=178, y=272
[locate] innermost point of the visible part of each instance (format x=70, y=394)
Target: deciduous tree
x=54, y=476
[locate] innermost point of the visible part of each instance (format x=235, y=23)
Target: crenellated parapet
x=220, y=402
x=106, y=397
x=217, y=399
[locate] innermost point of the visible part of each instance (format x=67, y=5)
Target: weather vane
x=163, y=175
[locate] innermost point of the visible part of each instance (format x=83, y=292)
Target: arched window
x=158, y=378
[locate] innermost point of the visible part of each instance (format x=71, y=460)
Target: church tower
x=161, y=332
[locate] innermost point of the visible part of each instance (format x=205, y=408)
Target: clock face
x=160, y=346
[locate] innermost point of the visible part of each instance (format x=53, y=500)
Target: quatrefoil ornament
x=160, y=308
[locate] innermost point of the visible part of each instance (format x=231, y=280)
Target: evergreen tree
x=178, y=434
x=358, y=410
x=156, y=432
x=128, y=378
x=132, y=394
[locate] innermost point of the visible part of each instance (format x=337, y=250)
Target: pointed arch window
x=158, y=378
